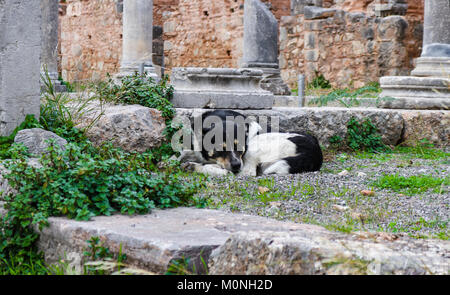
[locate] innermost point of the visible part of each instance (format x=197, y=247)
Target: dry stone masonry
x=20, y=48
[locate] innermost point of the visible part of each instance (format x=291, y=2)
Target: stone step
x=238, y=244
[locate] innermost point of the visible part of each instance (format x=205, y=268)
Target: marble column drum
x=137, y=37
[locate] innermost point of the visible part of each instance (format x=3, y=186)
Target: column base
x=432, y=67
x=419, y=93
x=271, y=80
x=131, y=70
x=219, y=88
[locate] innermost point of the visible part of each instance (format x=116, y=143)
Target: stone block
x=260, y=35
x=20, y=49
x=316, y=252
x=422, y=93
x=220, y=88
x=313, y=12
x=37, y=140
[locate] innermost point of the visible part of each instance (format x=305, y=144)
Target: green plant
x=335, y=141
x=81, y=182
x=144, y=90
x=413, y=184
x=364, y=136
x=347, y=97
x=6, y=141
x=319, y=82
x=181, y=267
x=61, y=113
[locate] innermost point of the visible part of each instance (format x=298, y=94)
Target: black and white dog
x=237, y=147
x=219, y=142
x=282, y=153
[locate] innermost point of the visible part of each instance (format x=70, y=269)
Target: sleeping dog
x=237, y=147
x=219, y=143
x=282, y=153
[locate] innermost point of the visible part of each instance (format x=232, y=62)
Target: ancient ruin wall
x=205, y=33
x=197, y=33
x=349, y=49
x=91, y=39
x=210, y=34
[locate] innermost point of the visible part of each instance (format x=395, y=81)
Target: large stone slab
x=415, y=92
x=242, y=244
x=134, y=128
x=219, y=88
x=322, y=122
x=20, y=48
x=312, y=251
x=153, y=241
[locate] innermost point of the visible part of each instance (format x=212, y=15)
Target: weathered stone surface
x=286, y=101
x=432, y=67
x=313, y=12
x=436, y=24
x=20, y=43
x=428, y=88
x=131, y=127
x=137, y=37
x=433, y=126
x=322, y=122
x=316, y=251
x=411, y=92
x=298, y=6
x=49, y=43
x=260, y=35
x=242, y=244
x=153, y=241
x=37, y=140
x=219, y=88
x=261, y=46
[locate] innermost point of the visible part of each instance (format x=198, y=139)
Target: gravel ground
x=347, y=201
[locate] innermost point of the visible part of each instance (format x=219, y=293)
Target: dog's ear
x=253, y=129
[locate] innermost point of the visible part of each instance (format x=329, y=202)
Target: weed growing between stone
x=83, y=181
x=361, y=136
x=143, y=90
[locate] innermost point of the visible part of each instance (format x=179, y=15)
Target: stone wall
x=20, y=49
x=91, y=39
x=204, y=33
x=349, y=49
x=196, y=33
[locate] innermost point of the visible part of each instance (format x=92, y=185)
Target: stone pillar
x=137, y=37
x=261, y=45
x=20, y=48
x=49, y=41
x=435, y=58
x=428, y=87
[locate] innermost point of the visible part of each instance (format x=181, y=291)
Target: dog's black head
x=224, y=138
